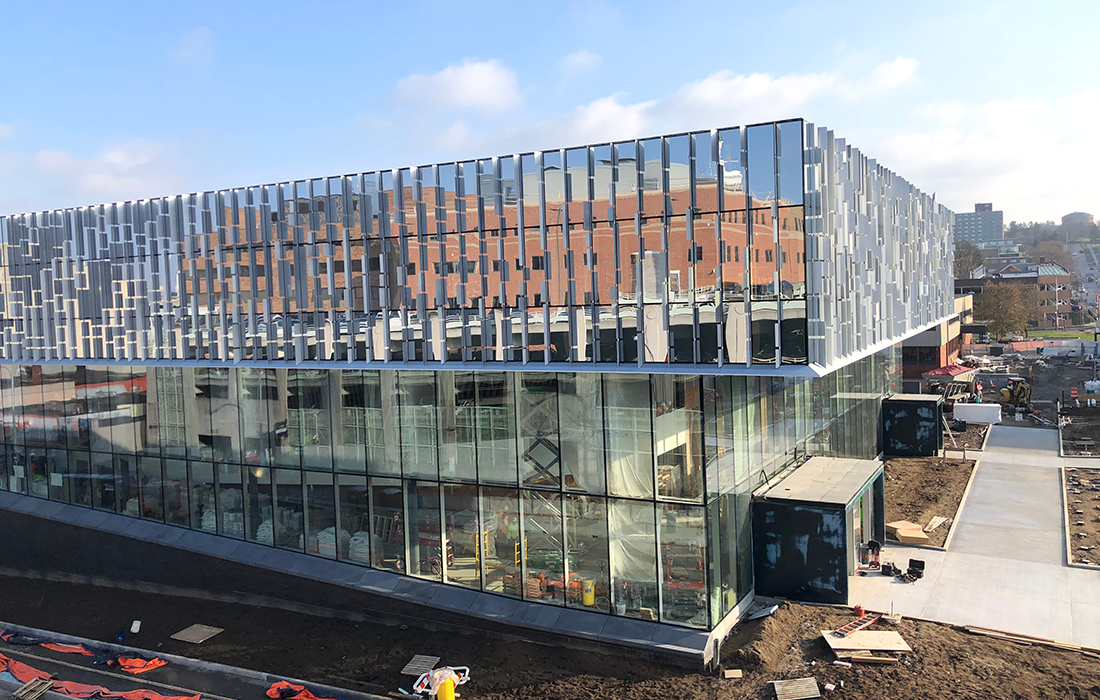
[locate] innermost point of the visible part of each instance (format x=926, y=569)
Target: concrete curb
x=1062, y=450
x=985, y=442
x=962, y=501
x=1065, y=529
x=186, y=662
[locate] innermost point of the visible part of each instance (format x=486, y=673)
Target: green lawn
x=1080, y=335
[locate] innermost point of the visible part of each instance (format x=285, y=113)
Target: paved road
x=1005, y=567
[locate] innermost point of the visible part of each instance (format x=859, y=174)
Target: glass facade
x=556, y=376
x=535, y=485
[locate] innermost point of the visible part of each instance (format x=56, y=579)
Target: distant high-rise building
x=981, y=225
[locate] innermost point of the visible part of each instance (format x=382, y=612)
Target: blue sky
x=976, y=101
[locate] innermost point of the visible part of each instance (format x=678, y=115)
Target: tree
x=1004, y=308
x=968, y=257
x=1055, y=252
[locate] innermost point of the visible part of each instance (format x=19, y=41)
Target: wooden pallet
x=32, y=690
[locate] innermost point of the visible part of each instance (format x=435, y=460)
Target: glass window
x=425, y=541
x=152, y=488
x=322, y=534
x=203, y=510
x=260, y=526
x=790, y=162
x=171, y=411
x=289, y=509
x=761, y=170
x=418, y=429
x=464, y=528
x=682, y=535
x=126, y=485
x=80, y=471
x=310, y=421
x=350, y=427
x=387, y=545
x=231, y=501
x=103, y=480
x=627, y=417
x=383, y=448
x=581, y=416
x=496, y=438
x=354, y=519
x=457, y=426
x=632, y=540
x=586, y=546
x=286, y=444
x=678, y=436
x=37, y=478
x=204, y=386
x=537, y=424
x=543, y=547
x=257, y=389
x=59, y=482
x=500, y=534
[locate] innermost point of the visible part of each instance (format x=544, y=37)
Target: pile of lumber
x=1028, y=640
x=906, y=532
x=861, y=647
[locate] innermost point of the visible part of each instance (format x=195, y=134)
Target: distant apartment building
x=981, y=225
x=1051, y=282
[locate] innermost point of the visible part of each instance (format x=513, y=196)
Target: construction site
x=932, y=660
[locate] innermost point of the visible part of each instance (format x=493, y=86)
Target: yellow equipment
x=1017, y=394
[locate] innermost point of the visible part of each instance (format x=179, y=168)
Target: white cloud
x=489, y=86
x=580, y=61
x=946, y=112
x=132, y=170
x=6, y=131
x=195, y=48
x=1032, y=157
x=55, y=179
x=884, y=78
x=722, y=98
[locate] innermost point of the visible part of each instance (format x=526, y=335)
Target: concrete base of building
x=47, y=536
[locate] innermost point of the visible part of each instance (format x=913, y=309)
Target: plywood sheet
x=197, y=634
x=865, y=639
x=797, y=689
x=419, y=665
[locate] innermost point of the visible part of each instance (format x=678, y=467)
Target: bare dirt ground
x=946, y=663
x=918, y=488
x=1083, y=510
x=971, y=439
x=1084, y=425
x=1050, y=382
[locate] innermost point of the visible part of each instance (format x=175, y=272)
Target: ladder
x=857, y=625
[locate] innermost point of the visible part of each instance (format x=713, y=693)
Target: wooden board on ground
x=197, y=634
x=419, y=665
x=732, y=673
x=892, y=528
x=911, y=537
x=866, y=640
x=798, y=689
x=935, y=522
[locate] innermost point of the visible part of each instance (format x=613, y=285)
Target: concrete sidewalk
x=1005, y=567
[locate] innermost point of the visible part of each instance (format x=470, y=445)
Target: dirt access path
x=919, y=488
x=946, y=663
